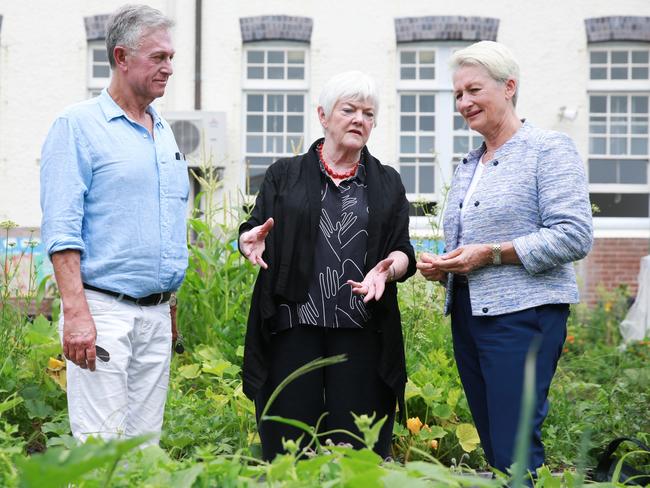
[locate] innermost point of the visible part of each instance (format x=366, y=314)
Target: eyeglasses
x=102, y=354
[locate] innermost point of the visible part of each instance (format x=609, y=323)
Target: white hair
x=349, y=85
x=129, y=24
x=496, y=58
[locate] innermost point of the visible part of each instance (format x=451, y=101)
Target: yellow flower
x=56, y=370
x=54, y=364
x=434, y=445
x=414, y=424
x=608, y=306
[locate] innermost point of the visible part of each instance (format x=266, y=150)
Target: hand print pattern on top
x=340, y=255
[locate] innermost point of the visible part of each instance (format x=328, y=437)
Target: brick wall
x=611, y=262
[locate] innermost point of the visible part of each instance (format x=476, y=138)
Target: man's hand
x=374, y=284
x=428, y=266
x=252, y=243
x=79, y=335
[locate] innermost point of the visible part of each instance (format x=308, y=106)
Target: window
x=417, y=141
x=618, y=130
x=99, y=69
x=275, y=64
x=618, y=64
x=432, y=136
x=417, y=64
x=275, y=87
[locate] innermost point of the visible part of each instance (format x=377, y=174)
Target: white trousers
x=125, y=396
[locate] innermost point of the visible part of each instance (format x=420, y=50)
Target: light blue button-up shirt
x=118, y=195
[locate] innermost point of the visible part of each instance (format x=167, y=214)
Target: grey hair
x=129, y=24
x=496, y=58
x=349, y=85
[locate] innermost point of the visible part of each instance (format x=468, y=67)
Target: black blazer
x=290, y=193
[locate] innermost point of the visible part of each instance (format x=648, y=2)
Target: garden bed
x=209, y=435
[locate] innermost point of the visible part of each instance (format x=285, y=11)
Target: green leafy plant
x=214, y=297
x=210, y=436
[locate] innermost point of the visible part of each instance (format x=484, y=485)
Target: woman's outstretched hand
x=252, y=243
x=374, y=284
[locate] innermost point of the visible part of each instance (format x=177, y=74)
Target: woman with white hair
x=518, y=215
x=330, y=231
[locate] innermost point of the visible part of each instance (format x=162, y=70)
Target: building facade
x=247, y=76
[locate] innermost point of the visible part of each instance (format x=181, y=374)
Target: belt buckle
x=149, y=300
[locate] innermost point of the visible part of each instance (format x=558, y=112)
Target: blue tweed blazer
x=533, y=193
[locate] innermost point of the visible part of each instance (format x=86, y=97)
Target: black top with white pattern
x=340, y=256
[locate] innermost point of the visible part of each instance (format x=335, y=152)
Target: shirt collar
x=112, y=110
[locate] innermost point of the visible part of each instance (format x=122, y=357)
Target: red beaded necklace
x=330, y=171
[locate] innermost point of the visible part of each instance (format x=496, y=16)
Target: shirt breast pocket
x=179, y=182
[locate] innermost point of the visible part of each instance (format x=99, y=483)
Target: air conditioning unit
x=199, y=135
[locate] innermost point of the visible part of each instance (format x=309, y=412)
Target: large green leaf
x=442, y=411
x=58, y=466
x=433, y=432
x=431, y=394
x=190, y=371
x=219, y=367
x=186, y=477
x=41, y=331
x=412, y=390
x=401, y=479
x=310, y=468
x=281, y=468
x=467, y=437
x=38, y=409
x=361, y=471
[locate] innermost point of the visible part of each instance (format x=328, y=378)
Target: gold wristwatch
x=496, y=254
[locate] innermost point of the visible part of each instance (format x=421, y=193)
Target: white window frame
x=416, y=134
x=95, y=84
x=445, y=108
x=611, y=84
x=617, y=226
x=272, y=87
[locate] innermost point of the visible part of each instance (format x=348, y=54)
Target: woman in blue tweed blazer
x=518, y=215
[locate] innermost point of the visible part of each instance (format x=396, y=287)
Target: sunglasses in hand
x=102, y=354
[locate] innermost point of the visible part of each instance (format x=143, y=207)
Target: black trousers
x=352, y=386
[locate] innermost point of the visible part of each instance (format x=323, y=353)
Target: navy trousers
x=490, y=354
x=351, y=386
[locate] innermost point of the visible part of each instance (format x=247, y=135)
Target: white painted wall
x=43, y=66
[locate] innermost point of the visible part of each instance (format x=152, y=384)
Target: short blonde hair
x=349, y=85
x=496, y=58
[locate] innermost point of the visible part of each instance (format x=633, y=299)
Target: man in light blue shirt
x=114, y=191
